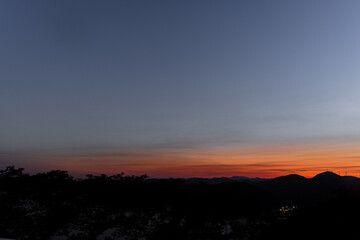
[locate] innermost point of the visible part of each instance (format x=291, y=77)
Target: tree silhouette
x=11, y=172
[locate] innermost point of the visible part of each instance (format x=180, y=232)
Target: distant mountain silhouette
x=218, y=180
x=44, y=205
x=290, y=179
x=350, y=180
x=214, y=180
x=303, y=190
x=326, y=181
x=289, y=188
x=327, y=178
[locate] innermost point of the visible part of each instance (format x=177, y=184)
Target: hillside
x=54, y=205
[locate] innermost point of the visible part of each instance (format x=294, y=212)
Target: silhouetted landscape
x=189, y=115
x=54, y=205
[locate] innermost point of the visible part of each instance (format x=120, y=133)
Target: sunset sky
x=187, y=88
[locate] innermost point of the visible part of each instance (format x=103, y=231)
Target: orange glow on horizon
x=254, y=161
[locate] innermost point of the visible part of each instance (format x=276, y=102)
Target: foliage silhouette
x=54, y=204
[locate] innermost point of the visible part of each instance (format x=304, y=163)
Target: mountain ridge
x=291, y=178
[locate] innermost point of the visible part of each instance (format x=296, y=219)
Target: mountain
x=288, y=181
x=300, y=190
x=218, y=180
x=350, y=180
x=291, y=179
x=210, y=180
x=292, y=188
x=327, y=177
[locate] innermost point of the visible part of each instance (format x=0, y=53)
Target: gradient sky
x=180, y=88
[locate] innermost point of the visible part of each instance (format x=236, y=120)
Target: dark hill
x=350, y=180
x=288, y=188
x=327, y=177
x=332, y=179
x=289, y=207
x=290, y=179
x=326, y=182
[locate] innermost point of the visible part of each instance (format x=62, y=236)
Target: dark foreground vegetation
x=56, y=206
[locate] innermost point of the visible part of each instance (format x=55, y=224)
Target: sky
x=180, y=88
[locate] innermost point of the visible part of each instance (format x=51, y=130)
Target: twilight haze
x=180, y=88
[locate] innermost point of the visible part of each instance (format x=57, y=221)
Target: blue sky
x=135, y=75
